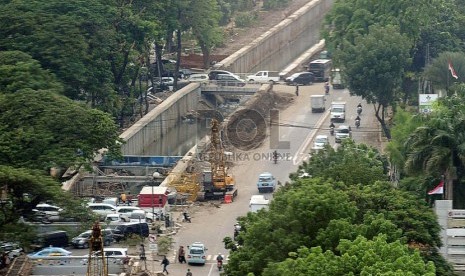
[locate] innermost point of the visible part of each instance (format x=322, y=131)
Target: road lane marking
x=301, y=154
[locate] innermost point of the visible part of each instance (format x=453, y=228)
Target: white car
x=202, y=78
x=52, y=212
x=320, y=142
x=343, y=132
x=102, y=209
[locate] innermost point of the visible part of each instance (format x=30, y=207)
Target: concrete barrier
x=160, y=120
x=282, y=43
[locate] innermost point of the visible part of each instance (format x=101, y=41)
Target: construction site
x=204, y=171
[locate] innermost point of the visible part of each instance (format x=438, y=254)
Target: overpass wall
x=281, y=44
x=160, y=120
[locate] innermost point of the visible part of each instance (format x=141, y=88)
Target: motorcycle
x=357, y=123
x=359, y=110
x=219, y=264
x=275, y=157
x=331, y=130
x=187, y=217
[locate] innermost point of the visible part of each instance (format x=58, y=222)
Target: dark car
x=54, y=238
x=213, y=74
x=82, y=241
x=124, y=230
x=301, y=78
x=229, y=80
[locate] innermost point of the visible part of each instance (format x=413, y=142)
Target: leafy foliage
x=41, y=130
x=351, y=163
x=19, y=71
x=358, y=257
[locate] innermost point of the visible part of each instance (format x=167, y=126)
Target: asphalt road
x=298, y=126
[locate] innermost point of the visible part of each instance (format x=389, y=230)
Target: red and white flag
x=438, y=190
x=452, y=71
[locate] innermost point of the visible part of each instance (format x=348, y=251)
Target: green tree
x=41, y=130
x=202, y=16
x=296, y=214
x=19, y=71
x=358, y=257
x=438, y=71
x=374, y=70
x=351, y=163
x=438, y=147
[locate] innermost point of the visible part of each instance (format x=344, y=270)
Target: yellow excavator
x=217, y=183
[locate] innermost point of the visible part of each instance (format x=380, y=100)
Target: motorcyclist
x=219, y=260
x=326, y=87
x=357, y=121
x=275, y=156
x=359, y=108
x=331, y=128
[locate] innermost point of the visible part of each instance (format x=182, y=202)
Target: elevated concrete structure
x=281, y=44
x=160, y=120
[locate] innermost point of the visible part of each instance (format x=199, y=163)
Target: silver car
x=343, y=132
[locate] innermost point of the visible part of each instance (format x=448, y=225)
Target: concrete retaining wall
x=160, y=120
x=281, y=44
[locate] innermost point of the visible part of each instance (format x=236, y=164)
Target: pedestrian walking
x=297, y=90
x=165, y=262
x=182, y=255
x=189, y=273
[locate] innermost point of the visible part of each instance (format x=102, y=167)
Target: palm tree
x=438, y=147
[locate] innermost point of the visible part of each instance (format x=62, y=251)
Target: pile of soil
x=247, y=128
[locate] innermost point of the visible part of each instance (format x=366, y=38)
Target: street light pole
x=155, y=175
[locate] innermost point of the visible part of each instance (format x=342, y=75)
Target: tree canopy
x=41, y=130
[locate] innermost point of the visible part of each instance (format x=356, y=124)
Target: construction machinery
x=217, y=183
x=96, y=262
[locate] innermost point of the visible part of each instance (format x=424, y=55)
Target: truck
x=264, y=77
x=317, y=103
x=258, y=202
x=338, y=112
x=266, y=182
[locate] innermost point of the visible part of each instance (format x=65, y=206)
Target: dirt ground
x=236, y=38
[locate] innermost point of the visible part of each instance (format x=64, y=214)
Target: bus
x=321, y=69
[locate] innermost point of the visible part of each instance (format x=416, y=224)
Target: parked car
x=52, y=212
x=203, y=78
x=53, y=238
x=11, y=248
x=102, y=209
x=320, y=142
x=122, y=231
x=301, y=78
x=343, y=132
x=115, y=219
x=82, y=241
x=229, y=80
x=49, y=252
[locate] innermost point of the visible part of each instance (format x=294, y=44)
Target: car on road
x=82, y=241
x=196, y=253
x=50, y=252
x=266, y=182
x=229, y=80
x=300, y=78
x=122, y=231
x=343, y=132
x=320, y=142
x=213, y=74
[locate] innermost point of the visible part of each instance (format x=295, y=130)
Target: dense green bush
x=245, y=19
